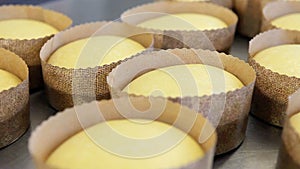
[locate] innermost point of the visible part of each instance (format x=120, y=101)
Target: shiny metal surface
x=259, y=150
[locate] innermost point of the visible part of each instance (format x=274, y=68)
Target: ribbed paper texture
x=67, y=87
x=227, y=111
x=29, y=49
x=14, y=102
x=289, y=154
x=272, y=89
x=215, y=39
x=87, y=115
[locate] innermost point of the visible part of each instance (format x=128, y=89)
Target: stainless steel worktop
x=259, y=150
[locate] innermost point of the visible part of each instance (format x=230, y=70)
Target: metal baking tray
x=258, y=151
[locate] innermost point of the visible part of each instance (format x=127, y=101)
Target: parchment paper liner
x=215, y=39
x=277, y=9
x=59, y=84
x=29, y=49
x=250, y=16
x=272, y=89
x=51, y=133
x=233, y=123
x=225, y=3
x=14, y=102
x=289, y=154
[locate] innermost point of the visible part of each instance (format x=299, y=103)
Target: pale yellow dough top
x=290, y=22
x=94, y=51
x=80, y=152
x=283, y=59
x=25, y=29
x=8, y=80
x=184, y=81
x=184, y=21
x=295, y=122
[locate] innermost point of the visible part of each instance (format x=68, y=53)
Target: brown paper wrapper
x=253, y=13
x=227, y=111
x=14, y=104
x=67, y=87
x=250, y=14
x=216, y=39
x=277, y=9
x=29, y=49
x=289, y=154
x=225, y=3
x=272, y=89
x=54, y=132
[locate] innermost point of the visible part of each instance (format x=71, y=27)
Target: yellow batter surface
x=80, y=152
x=283, y=59
x=295, y=122
x=8, y=80
x=184, y=21
x=95, y=51
x=290, y=22
x=25, y=29
x=184, y=80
